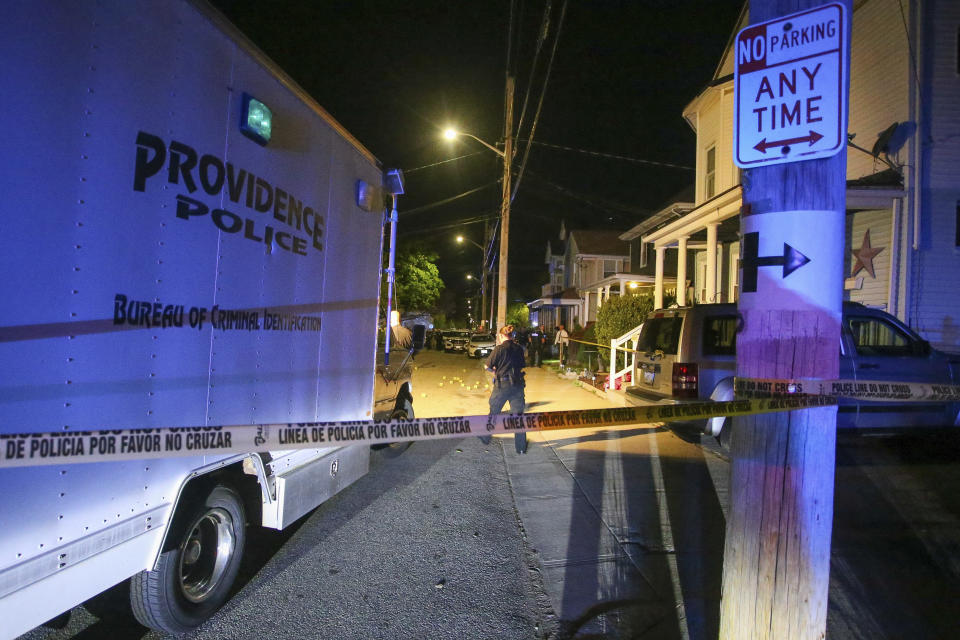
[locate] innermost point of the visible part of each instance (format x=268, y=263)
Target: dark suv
x=689, y=354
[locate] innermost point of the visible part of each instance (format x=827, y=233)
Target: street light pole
x=505, y=207
x=484, y=276
x=507, y=155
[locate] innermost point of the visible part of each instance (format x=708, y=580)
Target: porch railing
x=627, y=345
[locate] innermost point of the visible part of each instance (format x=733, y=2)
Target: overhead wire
x=439, y=203
x=483, y=217
x=613, y=156
x=437, y=164
x=541, y=38
x=543, y=93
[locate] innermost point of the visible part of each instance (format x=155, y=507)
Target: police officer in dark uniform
x=536, y=339
x=506, y=363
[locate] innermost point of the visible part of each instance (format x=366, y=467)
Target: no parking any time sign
x=790, y=75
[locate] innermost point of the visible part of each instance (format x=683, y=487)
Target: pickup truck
x=689, y=354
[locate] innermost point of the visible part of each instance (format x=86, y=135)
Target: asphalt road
x=426, y=545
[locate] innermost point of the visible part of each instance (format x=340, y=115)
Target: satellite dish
x=882, y=145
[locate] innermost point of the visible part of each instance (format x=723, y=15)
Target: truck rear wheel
x=193, y=578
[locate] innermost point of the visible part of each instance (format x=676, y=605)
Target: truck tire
x=403, y=411
x=193, y=579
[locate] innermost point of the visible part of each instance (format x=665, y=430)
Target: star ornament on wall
x=865, y=255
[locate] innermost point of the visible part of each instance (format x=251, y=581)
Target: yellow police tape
x=754, y=396
x=872, y=390
x=20, y=450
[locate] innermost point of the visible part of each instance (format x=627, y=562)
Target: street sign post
x=789, y=80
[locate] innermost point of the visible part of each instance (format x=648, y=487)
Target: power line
x=452, y=224
x=612, y=156
x=541, y=37
x=439, y=203
x=592, y=200
x=543, y=93
x=436, y=164
x=560, y=147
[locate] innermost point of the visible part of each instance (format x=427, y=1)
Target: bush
x=619, y=315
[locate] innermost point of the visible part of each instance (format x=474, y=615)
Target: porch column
x=622, y=291
x=711, y=284
x=658, y=279
x=682, y=271
x=720, y=268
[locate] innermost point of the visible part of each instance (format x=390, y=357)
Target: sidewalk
x=595, y=505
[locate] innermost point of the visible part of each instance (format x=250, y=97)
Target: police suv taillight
x=685, y=379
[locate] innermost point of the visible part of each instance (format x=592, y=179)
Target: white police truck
x=188, y=241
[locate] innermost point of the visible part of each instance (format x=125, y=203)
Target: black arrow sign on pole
x=752, y=261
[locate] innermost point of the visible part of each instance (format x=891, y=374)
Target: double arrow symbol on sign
x=763, y=145
x=752, y=261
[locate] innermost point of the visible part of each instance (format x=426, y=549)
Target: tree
x=518, y=314
x=418, y=284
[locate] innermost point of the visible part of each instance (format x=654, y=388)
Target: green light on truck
x=256, y=121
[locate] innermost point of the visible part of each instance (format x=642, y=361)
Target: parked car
x=689, y=354
x=455, y=340
x=480, y=345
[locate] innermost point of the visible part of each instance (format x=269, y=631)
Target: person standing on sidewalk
x=536, y=346
x=506, y=363
x=562, y=339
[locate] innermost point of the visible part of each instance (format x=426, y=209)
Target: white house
x=903, y=173
x=595, y=265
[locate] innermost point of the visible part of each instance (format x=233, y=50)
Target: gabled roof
x=723, y=74
x=725, y=66
x=600, y=242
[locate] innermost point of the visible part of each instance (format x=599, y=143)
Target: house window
x=734, y=294
x=702, y=270
x=643, y=250
x=610, y=267
x=710, y=186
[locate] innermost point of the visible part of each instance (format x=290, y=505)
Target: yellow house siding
x=729, y=174
x=708, y=134
x=880, y=78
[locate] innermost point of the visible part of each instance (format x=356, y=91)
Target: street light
x=483, y=273
x=451, y=134
x=461, y=240
x=507, y=155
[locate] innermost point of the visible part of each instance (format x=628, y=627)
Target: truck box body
x=160, y=268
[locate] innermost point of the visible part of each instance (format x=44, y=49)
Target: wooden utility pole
x=777, y=551
x=485, y=282
x=505, y=206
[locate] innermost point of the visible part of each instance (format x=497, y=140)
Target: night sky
x=395, y=74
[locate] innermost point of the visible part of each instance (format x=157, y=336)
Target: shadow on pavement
x=645, y=540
